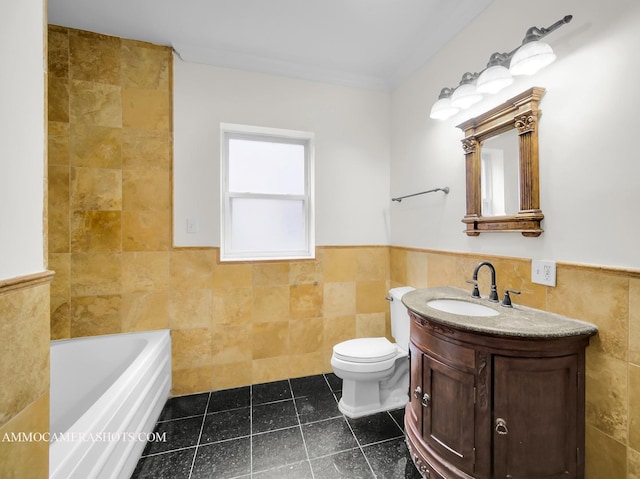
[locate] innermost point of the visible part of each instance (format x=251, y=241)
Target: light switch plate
x=543, y=272
x=192, y=225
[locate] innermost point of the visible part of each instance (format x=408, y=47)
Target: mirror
x=501, y=154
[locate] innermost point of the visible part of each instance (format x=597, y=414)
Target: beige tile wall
x=109, y=180
x=110, y=237
x=609, y=298
x=105, y=152
x=24, y=376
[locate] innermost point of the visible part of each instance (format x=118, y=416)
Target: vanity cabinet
x=494, y=405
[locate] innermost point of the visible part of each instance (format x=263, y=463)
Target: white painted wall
x=22, y=137
x=589, y=161
x=351, y=128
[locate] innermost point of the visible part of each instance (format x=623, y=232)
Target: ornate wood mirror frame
x=521, y=113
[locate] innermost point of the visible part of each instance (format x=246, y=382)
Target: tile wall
x=608, y=298
x=24, y=376
x=109, y=178
x=110, y=237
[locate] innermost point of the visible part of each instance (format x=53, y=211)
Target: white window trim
x=237, y=131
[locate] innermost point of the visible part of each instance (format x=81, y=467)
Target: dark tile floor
x=288, y=429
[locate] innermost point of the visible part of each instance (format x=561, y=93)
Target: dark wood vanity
x=495, y=397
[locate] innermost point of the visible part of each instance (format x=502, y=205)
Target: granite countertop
x=519, y=321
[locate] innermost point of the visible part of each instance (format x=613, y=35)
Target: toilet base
x=363, y=398
x=356, y=412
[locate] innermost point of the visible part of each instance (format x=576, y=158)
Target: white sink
x=461, y=307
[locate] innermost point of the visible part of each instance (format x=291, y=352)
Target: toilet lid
x=365, y=350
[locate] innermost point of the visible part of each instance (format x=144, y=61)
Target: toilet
x=375, y=371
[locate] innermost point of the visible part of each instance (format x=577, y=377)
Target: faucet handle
x=506, y=301
x=476, y=291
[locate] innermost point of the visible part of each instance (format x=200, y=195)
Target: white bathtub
x=105, y=387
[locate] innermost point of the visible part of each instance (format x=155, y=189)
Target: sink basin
x=461, y=307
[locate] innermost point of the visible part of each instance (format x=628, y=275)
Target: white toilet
x=374, y=371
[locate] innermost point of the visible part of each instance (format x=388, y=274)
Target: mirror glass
x=499, y=175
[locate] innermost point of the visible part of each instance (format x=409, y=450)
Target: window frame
x=275, y=135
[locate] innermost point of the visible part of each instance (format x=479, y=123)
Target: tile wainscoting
x=24, y=375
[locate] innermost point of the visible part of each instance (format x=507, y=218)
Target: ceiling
x=364, y=43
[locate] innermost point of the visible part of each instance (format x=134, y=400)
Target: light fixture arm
x=503, y=59
x=499, y=59
x=535, y=33
x=532, y=35
x=445, y=92
x=468, y=77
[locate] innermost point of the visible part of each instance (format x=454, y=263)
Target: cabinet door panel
x=415, y=388
x=448, y=412
x=535, y=403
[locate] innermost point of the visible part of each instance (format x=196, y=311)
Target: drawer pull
x=417, y=392
x=426, y=400
x=501, y=427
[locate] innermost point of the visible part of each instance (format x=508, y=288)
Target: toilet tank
x=400, y=324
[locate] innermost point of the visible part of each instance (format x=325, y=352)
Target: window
x=267, y=194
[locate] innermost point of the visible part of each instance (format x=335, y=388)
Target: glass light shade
x=494, y=79
x=531, y=57
x=465, y=96
x=442, y=109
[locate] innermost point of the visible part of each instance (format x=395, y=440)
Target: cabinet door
x=448, y=414
x=535, y=418
x=415, y=388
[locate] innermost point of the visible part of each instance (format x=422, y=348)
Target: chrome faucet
x=493, y=295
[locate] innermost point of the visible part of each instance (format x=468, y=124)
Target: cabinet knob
x=426, y=400
x=501, y=427
x=417, y=392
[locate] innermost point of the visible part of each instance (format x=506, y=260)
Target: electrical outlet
x=543, y=272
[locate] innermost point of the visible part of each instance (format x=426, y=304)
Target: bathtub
x=107, y=392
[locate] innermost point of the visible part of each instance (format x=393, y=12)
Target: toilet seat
x=365, y=350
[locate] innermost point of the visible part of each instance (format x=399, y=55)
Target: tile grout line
x=304, y=443
x=170, y=451
x=177, y=418
x=360, y=447
x=356, y=437
x=401, y=426
x=359, y=444
x=300, y=423
x=324, y=376
x=204, y=418
x=351, y=429
x=221, y=441
x=274, y=402
x=251, y=431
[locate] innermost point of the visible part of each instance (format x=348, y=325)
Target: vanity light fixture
x=467, y=93
x=443, y=109
x=496, y=76
x=531, y=56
